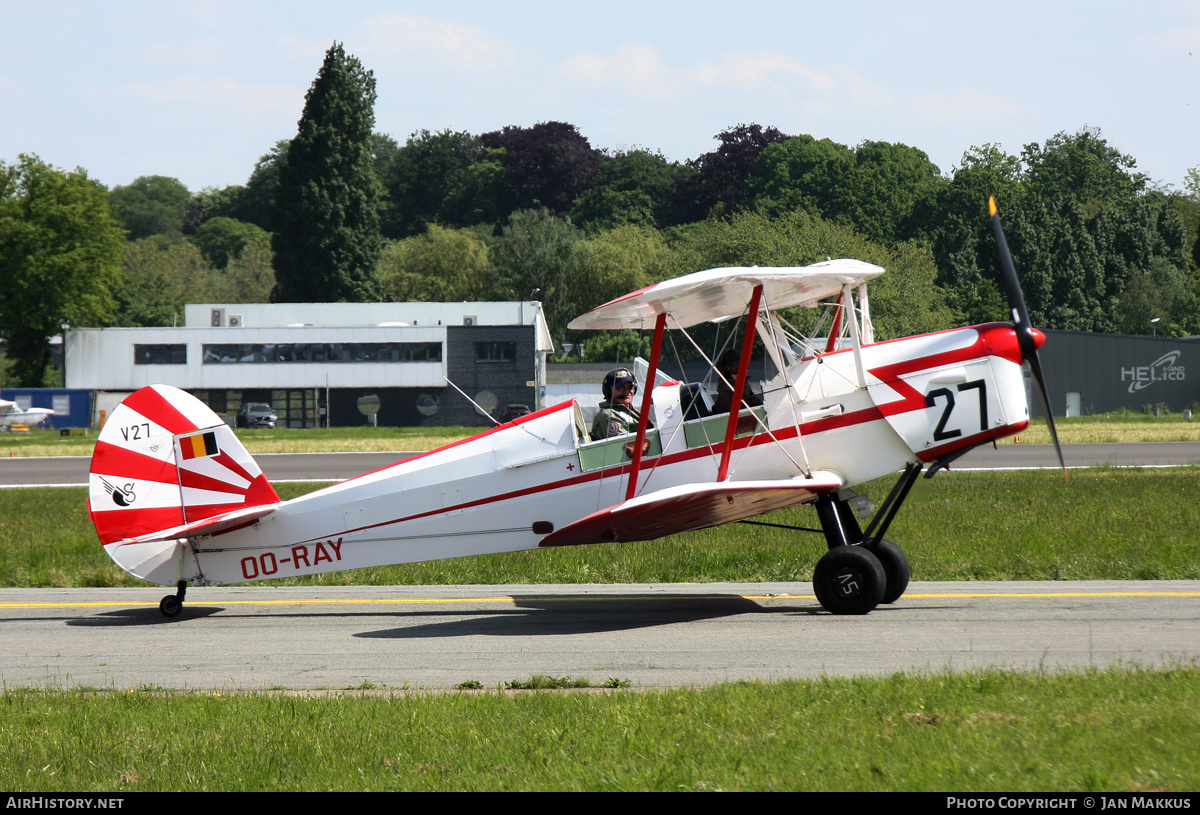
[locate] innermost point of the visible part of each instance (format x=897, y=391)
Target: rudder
x=164, y=459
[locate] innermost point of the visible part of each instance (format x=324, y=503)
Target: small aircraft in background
x=176, y=498
x=12, y=415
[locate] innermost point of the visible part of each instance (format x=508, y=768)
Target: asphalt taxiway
x=649, y=635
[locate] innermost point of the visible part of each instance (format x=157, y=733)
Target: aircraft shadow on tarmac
x=143, y=615
x=534, y=615
x=583, y=614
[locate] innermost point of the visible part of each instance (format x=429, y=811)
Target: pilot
x=617, y=415
x=728, y=367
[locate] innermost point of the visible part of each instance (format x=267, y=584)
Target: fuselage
x=860, y=415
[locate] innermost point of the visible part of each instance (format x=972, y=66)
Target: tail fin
x=165, y=460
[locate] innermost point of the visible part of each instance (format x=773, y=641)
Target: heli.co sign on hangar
x=1164, y=369
x=1098, y=373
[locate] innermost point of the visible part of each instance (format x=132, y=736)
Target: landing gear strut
x=861, y=569
x=172, y=604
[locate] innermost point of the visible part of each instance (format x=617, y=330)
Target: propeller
x=1020, y=315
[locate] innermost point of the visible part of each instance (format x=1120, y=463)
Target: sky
x=199, y=91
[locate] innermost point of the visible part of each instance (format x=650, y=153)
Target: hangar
x=319, y=364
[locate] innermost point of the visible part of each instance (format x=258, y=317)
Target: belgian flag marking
x=199, y=446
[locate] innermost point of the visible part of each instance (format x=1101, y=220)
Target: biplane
x=176, y=498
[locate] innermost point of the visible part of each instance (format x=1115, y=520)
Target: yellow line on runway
x=207, y=601
x=210, y=601
x=1061, y=594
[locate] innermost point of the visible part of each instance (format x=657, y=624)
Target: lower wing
x=689, y=507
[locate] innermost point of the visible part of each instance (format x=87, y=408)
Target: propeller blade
x=1025, y=339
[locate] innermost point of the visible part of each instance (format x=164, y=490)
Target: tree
x=256, y=205
x=636, y=187
x=249, y=277
x=222, y=239
x=1083, y=167
x=442, y=265
x=548, y=165
x=719, y=185
x=891, y=180
x=151, y=205
x=953, y=219
x=608, y=265
x=327, y=239
x=875, y=188
x=160, y=277
x=805, y=174
x=424, y=178
x=60, y=258
x=1161, y=290
x=534, y=258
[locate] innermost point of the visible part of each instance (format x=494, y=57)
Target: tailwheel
x=849, y=580
x=172, y=604
x=895, y=566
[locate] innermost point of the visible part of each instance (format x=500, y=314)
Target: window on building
x=495, y=352
x=164, y=354
x=299, y=352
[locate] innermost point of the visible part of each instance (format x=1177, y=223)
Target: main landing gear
x=861, y=569
x=172, y=604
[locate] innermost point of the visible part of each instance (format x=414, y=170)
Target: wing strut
x=740, y=385
x=659, y=324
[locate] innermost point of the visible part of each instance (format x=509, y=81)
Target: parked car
x=513, y=412
x=257, y=414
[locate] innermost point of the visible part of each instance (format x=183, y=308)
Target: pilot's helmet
x=730, y=361
x=617, y=376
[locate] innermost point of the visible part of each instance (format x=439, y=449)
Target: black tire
x=170, y=606
x=849, y=580
x=895, y=566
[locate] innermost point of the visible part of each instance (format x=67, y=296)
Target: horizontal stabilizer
x=209, y=526
x=689, y=507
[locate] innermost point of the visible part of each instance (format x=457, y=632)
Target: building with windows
x=339, y=364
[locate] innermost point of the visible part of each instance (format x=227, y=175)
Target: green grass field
x=1103, y=524
x=991, y=731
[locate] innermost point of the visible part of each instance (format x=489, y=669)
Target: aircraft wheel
x=170, y=606
x=895, y=566
x=849, y=580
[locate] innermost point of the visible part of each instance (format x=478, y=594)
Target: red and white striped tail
x=164, y=459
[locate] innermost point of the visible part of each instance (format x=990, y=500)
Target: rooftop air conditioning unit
x=218, y=318
x=235, y=321
x=469, y=319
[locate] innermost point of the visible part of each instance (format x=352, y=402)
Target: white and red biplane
x=177, y=499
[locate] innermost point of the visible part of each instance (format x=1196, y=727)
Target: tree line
x=343, y=213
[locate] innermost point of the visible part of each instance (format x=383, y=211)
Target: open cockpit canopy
x=718, y=294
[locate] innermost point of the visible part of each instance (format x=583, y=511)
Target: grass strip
x=1118, y=729
x=1104, y=524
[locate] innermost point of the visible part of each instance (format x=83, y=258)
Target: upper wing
x=718, y=293
x=691, y=506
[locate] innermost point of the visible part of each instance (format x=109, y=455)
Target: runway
x=435, y=637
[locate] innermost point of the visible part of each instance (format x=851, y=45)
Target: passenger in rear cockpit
x=728, y=368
